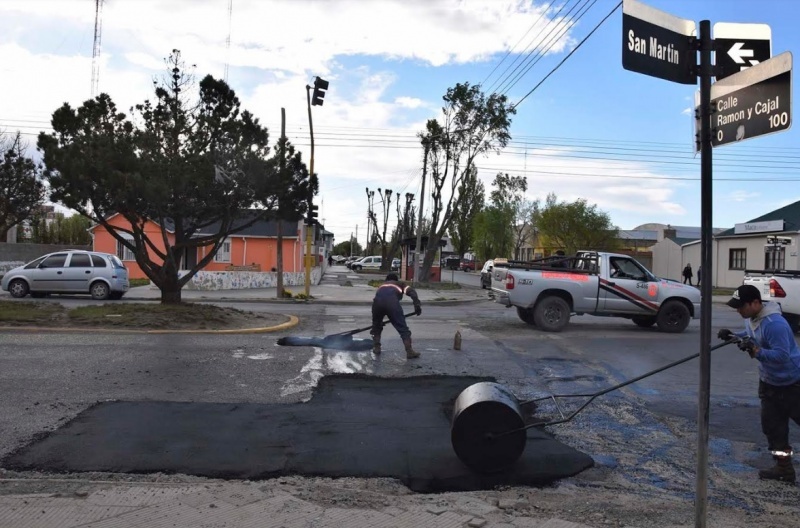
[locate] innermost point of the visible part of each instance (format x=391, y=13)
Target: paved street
x=641, y=438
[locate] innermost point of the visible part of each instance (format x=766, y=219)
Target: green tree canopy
x=471, y=124
x=21, y=189
x=471, y=197
x=198, y=168
x=574, y=226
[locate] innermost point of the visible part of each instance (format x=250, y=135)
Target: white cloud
x=744, y=196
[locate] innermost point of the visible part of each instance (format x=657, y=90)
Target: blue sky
x=390, y=61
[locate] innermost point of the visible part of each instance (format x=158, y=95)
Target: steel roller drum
x=480, y=413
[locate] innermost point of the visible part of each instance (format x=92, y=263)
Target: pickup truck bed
x=781, y=286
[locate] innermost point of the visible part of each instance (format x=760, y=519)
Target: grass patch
x=29, y=312
x=722, y=291
x=138, y=282
x=133, y=316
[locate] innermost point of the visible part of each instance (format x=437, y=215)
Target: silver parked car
x=101, y=275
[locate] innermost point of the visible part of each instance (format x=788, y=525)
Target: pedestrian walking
x=699, y=275
x=687, y=274
x=768, y=339
x=330, y=260
x=387, y=303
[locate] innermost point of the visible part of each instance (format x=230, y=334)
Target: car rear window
x=80, y=260
x=99, y=262
x=116, y=262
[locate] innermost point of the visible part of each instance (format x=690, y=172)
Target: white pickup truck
x=783, y=287
x=547, y=292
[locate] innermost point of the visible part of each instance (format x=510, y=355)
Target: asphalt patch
x=354, y=426
x=335, y=341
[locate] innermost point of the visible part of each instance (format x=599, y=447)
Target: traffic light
x=312, y=214
x=320, y=85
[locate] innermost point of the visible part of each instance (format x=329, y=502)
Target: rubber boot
x=410, y=352
x=783, y=470
x=376, y=345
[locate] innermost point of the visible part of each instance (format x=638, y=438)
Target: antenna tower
x=98, y=30
x=228, y=40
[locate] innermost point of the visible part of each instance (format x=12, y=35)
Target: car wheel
x=551, y=314
x=99, y=291
x=673, y=317
x=644, y=321
x=526, y=314
x=18, y=288
x=356, y=268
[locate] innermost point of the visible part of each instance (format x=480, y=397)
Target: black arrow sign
x=735, y=55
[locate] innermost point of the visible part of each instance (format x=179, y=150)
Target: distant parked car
x=396, y=264
x=350, y=260
x=468, y=265
x=101, y=275
x=373, y=262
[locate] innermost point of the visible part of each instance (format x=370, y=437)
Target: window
x=122, y=250
x=54, y=261
x=774, y=258
x=224, y=252
x=80, y=260
x=737, y=259
x=98, y=261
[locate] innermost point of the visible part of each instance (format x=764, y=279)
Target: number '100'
x=778, y=120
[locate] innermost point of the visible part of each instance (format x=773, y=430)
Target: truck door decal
x=628, y=296
x=580, y=277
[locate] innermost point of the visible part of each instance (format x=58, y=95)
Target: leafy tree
x=347, y=248
x=472, y=195
x=21, y=189
x=574, y=226
x=195, y=168
x=404, y=228
x=472, y=125
x=486, y=242
x=509, y=196
x=66, y=230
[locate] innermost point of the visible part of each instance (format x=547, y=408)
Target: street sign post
x=658, y=44
x=740, y=46
x=753, y=102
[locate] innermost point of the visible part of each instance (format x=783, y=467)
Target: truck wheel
x=673, y=317
x=551, y=314
x=794, y=322
x=526, y=314
x=644, y=321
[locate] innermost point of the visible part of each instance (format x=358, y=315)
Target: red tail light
x=775, y=289
x=509, y=281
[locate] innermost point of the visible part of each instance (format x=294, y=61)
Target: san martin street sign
x=740, y=46
x=753, y=102
x=658, y=44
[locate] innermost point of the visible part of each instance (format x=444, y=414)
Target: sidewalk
x=333, y=289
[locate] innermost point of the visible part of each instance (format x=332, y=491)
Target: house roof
x=790, y=214
x=262, y=228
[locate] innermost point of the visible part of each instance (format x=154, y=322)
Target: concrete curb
x=293, y=321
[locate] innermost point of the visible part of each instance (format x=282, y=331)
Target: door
x=77, y=273
x=50, y=274
x=629, y=288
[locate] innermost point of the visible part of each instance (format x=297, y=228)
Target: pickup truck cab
x=781, y=286
x=546, y=292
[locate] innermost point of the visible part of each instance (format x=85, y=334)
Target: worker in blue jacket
x=768, y=339
x=387, y=303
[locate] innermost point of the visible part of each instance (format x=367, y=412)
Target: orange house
x=252, y=249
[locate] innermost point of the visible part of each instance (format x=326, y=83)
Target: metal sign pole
x=704, y=393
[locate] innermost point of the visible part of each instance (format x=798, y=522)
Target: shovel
x=342, y=341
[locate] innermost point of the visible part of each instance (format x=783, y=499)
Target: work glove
x=749, y=346
x=418, y=310
x=724, y=334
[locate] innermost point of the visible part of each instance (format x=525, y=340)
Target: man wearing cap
x=771, y=342
x=387, y=302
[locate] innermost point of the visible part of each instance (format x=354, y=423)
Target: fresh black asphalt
x=354, y=426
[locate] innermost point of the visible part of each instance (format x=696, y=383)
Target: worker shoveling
x=488, y=431
x=340, y=341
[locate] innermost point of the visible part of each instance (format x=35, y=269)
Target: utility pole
x=418, y=263
x=98, y=31
x=281, y=168
x=309, y=224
